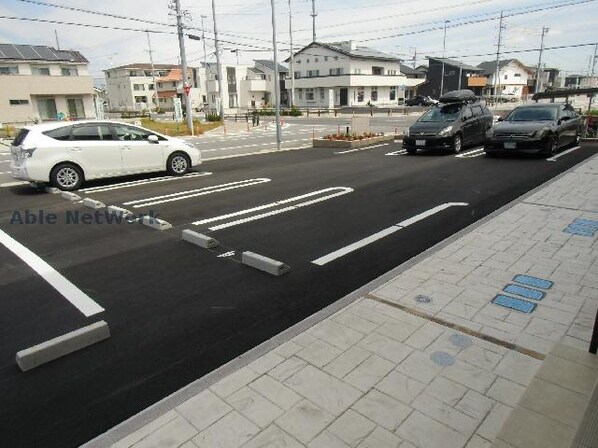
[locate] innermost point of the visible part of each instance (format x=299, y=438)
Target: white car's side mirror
x=152, y=139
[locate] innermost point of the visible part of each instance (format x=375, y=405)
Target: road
x=177, y=312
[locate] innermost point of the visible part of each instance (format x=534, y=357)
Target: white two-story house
x=39, y=83
x=343, y=74
x=513, y=77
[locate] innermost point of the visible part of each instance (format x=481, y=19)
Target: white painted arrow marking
x=383, y=233
x=197, y=192
x=288, y=205
x=226, y=254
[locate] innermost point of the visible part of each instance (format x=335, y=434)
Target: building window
x=377, y=70
x=107, y=74
x=393, y=93
x=313, y=73
x=47, y=108
x=75, y=107
x=300, y=94
x=392, y=72
x=309, y=95
x=517, y=75
x=357, y=71
x=138, y=87
x=307, y=61
x=151, y=87
x=316, y=60
x=506, y=76
x=18, y=102
x=322, y=94
x=40, y=71
x=140, y=99
x=336, y=58
x=232, y=100
x=360, y=94
x=298, y=61
x=159, y=85
x=374, y=94
x=132, y=73
x=297, y=75
x=69, y=71
x=325, y=58
x=336, y=71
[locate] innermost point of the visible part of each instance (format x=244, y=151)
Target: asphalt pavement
x=177, y=312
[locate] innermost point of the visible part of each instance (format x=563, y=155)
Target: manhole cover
x=443, y=358
x=460, y=340
x=423, y=299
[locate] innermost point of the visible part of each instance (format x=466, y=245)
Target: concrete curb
x=70, y=196
x=47, y=351
x=264, y=263
x=92, y=203
x=199, y=239
x=155, y=223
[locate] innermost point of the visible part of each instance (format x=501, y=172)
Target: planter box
x=344, y=144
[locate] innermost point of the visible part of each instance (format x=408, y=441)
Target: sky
x=403, y=28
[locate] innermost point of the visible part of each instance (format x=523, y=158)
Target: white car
x=65, y=154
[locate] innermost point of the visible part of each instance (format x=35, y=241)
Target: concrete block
x=88, y=202
x=70, y=196
x=155, y=223
x=122, y=212
x=62, y=345
x=199, y=239
x=264, y=264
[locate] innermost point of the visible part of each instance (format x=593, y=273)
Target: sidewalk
x=420, y=358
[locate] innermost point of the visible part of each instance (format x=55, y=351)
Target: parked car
x=458, y=120
x=420, y=100
x=541, y=128
x=65, y=154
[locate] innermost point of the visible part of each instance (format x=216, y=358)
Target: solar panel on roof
x=10, y=52
x=46, y=53
x=28, y=52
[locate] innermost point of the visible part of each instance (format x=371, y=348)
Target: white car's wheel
x=66, y=177
x=178, y=164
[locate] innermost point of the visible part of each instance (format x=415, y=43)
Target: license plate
x=510, y=145
x=420, y=143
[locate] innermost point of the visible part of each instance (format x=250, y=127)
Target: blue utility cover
x=515, y=304
x=522, y=291
x=587, y=222
x=535, y=282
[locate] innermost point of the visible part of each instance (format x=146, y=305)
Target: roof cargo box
x=458, y=96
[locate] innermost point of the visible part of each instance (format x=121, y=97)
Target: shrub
x=213, y=117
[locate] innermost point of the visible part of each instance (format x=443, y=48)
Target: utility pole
x=443, y=52
x=497, y=71
x=218, y=66
x=539, y=69
x=276, y=80
x=313, y=16
x=292, y=64
x=150, y=51
x=414, y=57
x=203, y=38
x=57, y=43
x=179, y=24
x=594, y=59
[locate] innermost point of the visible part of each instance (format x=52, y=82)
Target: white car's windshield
x=533, y=114
x=447, y=112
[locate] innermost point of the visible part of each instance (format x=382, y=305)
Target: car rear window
x=62, y=133
x=18, y=141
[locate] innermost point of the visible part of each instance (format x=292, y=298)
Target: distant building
x=456, y=76
x=39, y=83
x=513, y=77
x=580, y=81
x=131, y=87
x=341, y=74
x=415, y=78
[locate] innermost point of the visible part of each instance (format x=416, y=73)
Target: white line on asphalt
x=136, y=183
x=473, y=153
x=13, y=184
x=292, y=203
x=553, y=158
x=400, y=152
x=383, y=233
x=70, y=292
x=263, y=151
x=361, y=149
x=194, y=193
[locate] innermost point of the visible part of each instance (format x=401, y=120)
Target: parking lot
x=338, y=219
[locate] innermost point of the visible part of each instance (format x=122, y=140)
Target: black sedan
x=420, y=100
x=541, y=128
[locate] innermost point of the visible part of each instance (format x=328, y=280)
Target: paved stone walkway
x=425, y=360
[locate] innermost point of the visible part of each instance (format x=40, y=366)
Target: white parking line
x=194, y=193
x=400, y=152
x=70, y=292
x=361, y=149
x=383, y=233
x=136, y=183
x=553, y=158
x=291, y=204
x=473, y=153
x=13, y=184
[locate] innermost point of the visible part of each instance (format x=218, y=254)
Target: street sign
x=187, y=89
x=178, y=110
